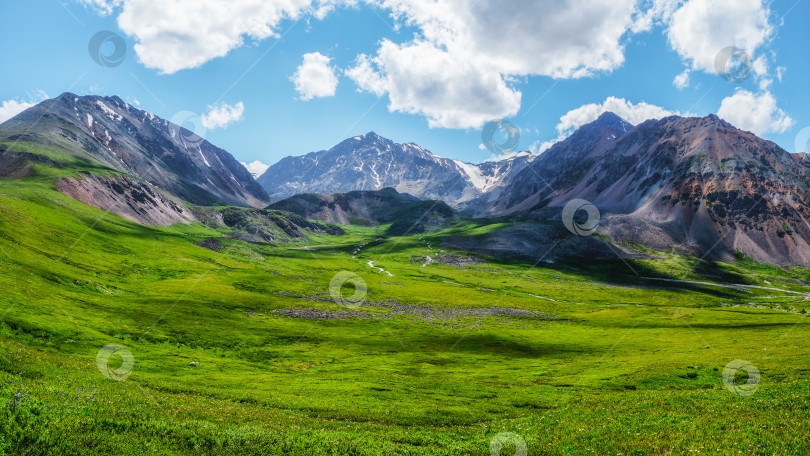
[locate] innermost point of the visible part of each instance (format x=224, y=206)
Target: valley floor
x=246, y=351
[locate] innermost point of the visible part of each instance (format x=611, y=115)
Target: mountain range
x=371, y=162
x=693, y=185
x=698, y=183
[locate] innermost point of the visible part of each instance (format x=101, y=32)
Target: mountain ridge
x=117, y=135
x=695, y=184
x=719, y=189
x=406, y=213
x=372, y=162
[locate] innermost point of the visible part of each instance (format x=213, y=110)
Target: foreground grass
x=628, y=366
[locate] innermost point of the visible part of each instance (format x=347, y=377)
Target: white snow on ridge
x=90, y=121
x=203, y=157
x=524, y=153
x=473, y=172
x=110, y=113
x=376, y=177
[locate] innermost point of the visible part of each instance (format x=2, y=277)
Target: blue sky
x=430, y=72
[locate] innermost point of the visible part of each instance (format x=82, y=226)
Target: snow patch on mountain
x=371, y=162
x=473, y=174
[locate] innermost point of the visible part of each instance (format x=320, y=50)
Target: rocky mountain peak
x=117, y=135
x=372, y=162
x=611, y=120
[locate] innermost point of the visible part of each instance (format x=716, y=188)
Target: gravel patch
x=415, y=312
x=314, y=314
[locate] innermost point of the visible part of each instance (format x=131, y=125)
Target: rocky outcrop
x=127, y=197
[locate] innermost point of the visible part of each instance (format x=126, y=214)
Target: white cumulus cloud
x=681, y=81
x=699, y=29
x=256, y=168
x=104, y=7
x=314, y=78
x=462, y=66
x=459, y=71
x=173, y=35
x=222, y=115
x=633, y=113
x=422, y=79
x=757, y=113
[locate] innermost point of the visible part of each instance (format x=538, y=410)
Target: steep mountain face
x=407, y=213
x=565, y=162
x=371, y=162
x=111, y=132
x=130, y=198
x=694, y=183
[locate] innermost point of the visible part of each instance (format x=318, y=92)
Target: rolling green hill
x=404, y=213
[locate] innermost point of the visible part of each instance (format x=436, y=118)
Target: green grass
x=630, y=365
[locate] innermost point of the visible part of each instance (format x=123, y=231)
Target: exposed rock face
x=130, y=198
x=703, y=186
x=371, y=162
x=564, y=163
x=108, y=131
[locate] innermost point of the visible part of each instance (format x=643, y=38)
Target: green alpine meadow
x=404, y=228
x=121, y=338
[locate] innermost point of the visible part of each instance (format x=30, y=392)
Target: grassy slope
x=628, y=370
